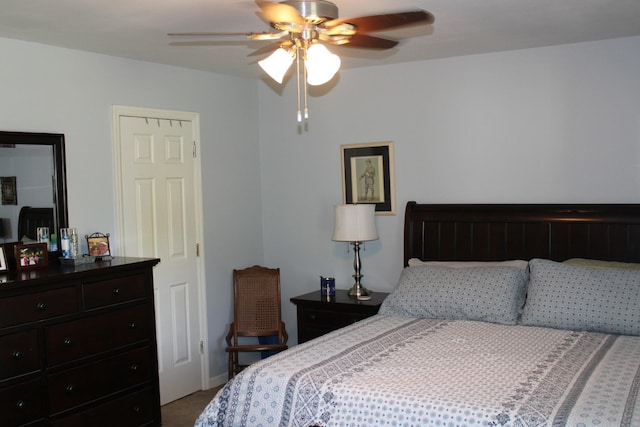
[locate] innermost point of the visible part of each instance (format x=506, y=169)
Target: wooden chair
x=256, y=313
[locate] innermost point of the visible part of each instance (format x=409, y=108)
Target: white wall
x=46, y=89
x=550, y=125
x=558, y=124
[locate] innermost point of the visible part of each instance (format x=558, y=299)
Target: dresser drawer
x=37, y=306
x=21, y=404
x=91, y=335
x=19, y=354
x=113, y=291
x=86, y=383
x=134, y=409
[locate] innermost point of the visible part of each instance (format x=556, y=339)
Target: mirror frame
x=56, y=141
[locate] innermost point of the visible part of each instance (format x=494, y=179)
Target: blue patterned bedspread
x=398, y=371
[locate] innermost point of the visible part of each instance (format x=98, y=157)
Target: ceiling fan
x=302, y=27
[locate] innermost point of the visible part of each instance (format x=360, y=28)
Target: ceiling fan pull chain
x=306, y=108
x=298, y=75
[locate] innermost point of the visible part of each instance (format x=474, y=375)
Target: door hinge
x=197, y=249
x=195, y=151
x=201, y=347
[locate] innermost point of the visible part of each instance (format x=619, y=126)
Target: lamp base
x=359, y=291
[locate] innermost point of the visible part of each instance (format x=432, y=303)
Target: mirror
x=37, y=161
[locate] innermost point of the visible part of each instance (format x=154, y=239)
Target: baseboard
x=218, y=380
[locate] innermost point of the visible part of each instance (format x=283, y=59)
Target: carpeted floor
x=183, y=412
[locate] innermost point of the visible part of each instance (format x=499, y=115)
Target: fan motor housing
x=314, y=11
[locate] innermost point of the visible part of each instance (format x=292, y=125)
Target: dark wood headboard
x=31, y=218
x=493, y=232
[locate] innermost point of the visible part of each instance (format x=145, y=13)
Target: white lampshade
x=355, y=223
x=277, y=64
x=321, y=64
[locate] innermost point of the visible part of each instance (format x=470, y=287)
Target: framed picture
x=3, y=260
x=32, y=255
x=368, y=175
x=98, y=245
x=9, y=191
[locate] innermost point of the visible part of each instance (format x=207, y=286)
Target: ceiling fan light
x=277, y=64
x=321, y=64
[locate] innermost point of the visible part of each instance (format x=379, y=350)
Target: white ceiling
x=138, y=28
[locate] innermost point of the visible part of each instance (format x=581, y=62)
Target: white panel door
x=159, y=219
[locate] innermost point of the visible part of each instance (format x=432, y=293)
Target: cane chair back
x=256, y=313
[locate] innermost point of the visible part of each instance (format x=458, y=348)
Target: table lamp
x=355, y=224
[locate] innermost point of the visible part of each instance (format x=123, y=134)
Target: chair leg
x=234, y=363
x=231, y=365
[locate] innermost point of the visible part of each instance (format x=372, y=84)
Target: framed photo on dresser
x=32, y=255
x=98, y=244
x=3, y=260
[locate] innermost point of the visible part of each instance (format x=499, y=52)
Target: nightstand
x=317, y=315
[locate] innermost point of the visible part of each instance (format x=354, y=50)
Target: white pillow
x=582, y=298
x=491, y=294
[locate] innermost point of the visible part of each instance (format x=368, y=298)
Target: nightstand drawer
x=330, y=319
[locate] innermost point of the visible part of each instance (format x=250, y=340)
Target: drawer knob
x=17, y=355
x=133, y=325
x=21, y=404
x=116, y=291
x=137, y=409
x=134, y=367
x=70, y=389
x=41, y=306
x=68, y=341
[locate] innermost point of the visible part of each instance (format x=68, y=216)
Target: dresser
x=78, y=345
x=318, y=314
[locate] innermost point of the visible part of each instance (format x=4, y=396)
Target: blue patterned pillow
x=490, y=294
x=583, y=298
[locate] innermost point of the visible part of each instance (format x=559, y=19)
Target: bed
x=504, y=315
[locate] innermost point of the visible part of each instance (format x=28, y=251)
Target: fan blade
x=270, y=48
x=367, y=24
x=195, y=43
x=364, y=41
x=211, y=34
x=252, y=36
x=280, y=13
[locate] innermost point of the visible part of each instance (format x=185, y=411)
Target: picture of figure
x=368, y=175
x=9, y=193
x=366, y=179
